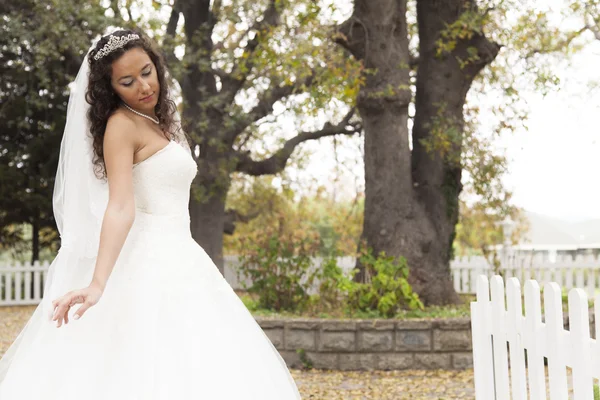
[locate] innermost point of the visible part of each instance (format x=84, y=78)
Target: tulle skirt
x=168, y=327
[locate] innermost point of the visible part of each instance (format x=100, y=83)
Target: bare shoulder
x=120, y=138
x=120, y=128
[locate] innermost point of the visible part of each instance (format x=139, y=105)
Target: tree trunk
x=377, y=34
x=411, y=200
x=207, y=225
x=209, y=119
x=208, y=196
x=442, y=86
x=35, y=240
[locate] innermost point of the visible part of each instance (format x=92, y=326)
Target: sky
x=555, y=165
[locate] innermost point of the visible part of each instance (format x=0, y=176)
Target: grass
x=319, y=311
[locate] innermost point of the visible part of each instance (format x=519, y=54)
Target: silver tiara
x=114, y=43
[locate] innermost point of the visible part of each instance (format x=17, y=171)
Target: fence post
x=514, y=329
x=535, y=358
x=557, y=371
x=579, y=326
x=482, y=341
x=499, y=338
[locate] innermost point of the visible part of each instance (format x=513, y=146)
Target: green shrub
x=386, y=289
x=333, y=287
x=384, y=294
x=280, y=272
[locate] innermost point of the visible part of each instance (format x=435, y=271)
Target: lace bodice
x=162, y=181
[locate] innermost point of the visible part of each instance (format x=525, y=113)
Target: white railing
x=22, y=284
x=231, y=265
x=568, y=272
x=499, y=320
x=583, y=272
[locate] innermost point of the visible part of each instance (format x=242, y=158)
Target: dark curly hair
x=104, y=100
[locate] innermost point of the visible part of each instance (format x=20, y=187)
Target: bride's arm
x=119, y=147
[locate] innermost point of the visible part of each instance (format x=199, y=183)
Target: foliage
x=479, y=231
x=261, y=63
x=537, y=44
x=336, y=226
x=333, y=287
x=386, y=290
x=37, y=62
x=279, y=267
x=20, y=250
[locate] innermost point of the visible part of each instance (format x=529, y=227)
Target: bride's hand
x=88, y=297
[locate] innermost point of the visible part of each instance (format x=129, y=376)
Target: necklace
x=155, y=120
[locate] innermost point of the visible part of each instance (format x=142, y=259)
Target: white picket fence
x=23, y=284
x=501, y=334
x=568, y=272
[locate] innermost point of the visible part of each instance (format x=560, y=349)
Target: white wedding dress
x=168, y=326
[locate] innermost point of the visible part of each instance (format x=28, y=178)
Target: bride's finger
x=56, y=302
x=76, y=299
x=60, y=307
x=62, y=310
x=82, y=309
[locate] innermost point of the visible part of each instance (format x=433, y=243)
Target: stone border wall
x=372, y=344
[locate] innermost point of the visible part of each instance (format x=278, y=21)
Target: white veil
x=79, y=202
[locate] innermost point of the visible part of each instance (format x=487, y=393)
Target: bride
x=155, y=319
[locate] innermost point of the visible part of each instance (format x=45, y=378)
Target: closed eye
x=144, y=74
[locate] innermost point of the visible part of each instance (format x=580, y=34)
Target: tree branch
x=353, y=36
x=265, y=106
x=560, y=46
x=197, y=79
x=216, y=8
x=129, y=15
x=173, y=19
x=594, y=30
x=224, y=76
x=276, y=163
x=221, y=44
x=590, y=21
x=170, y=34
x=232, y=217
x=413, y=62
x=114, y=5
x=238, y=78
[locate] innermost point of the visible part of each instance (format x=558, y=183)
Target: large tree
x=267, y=52
x=414, y=177
x=411, y=197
